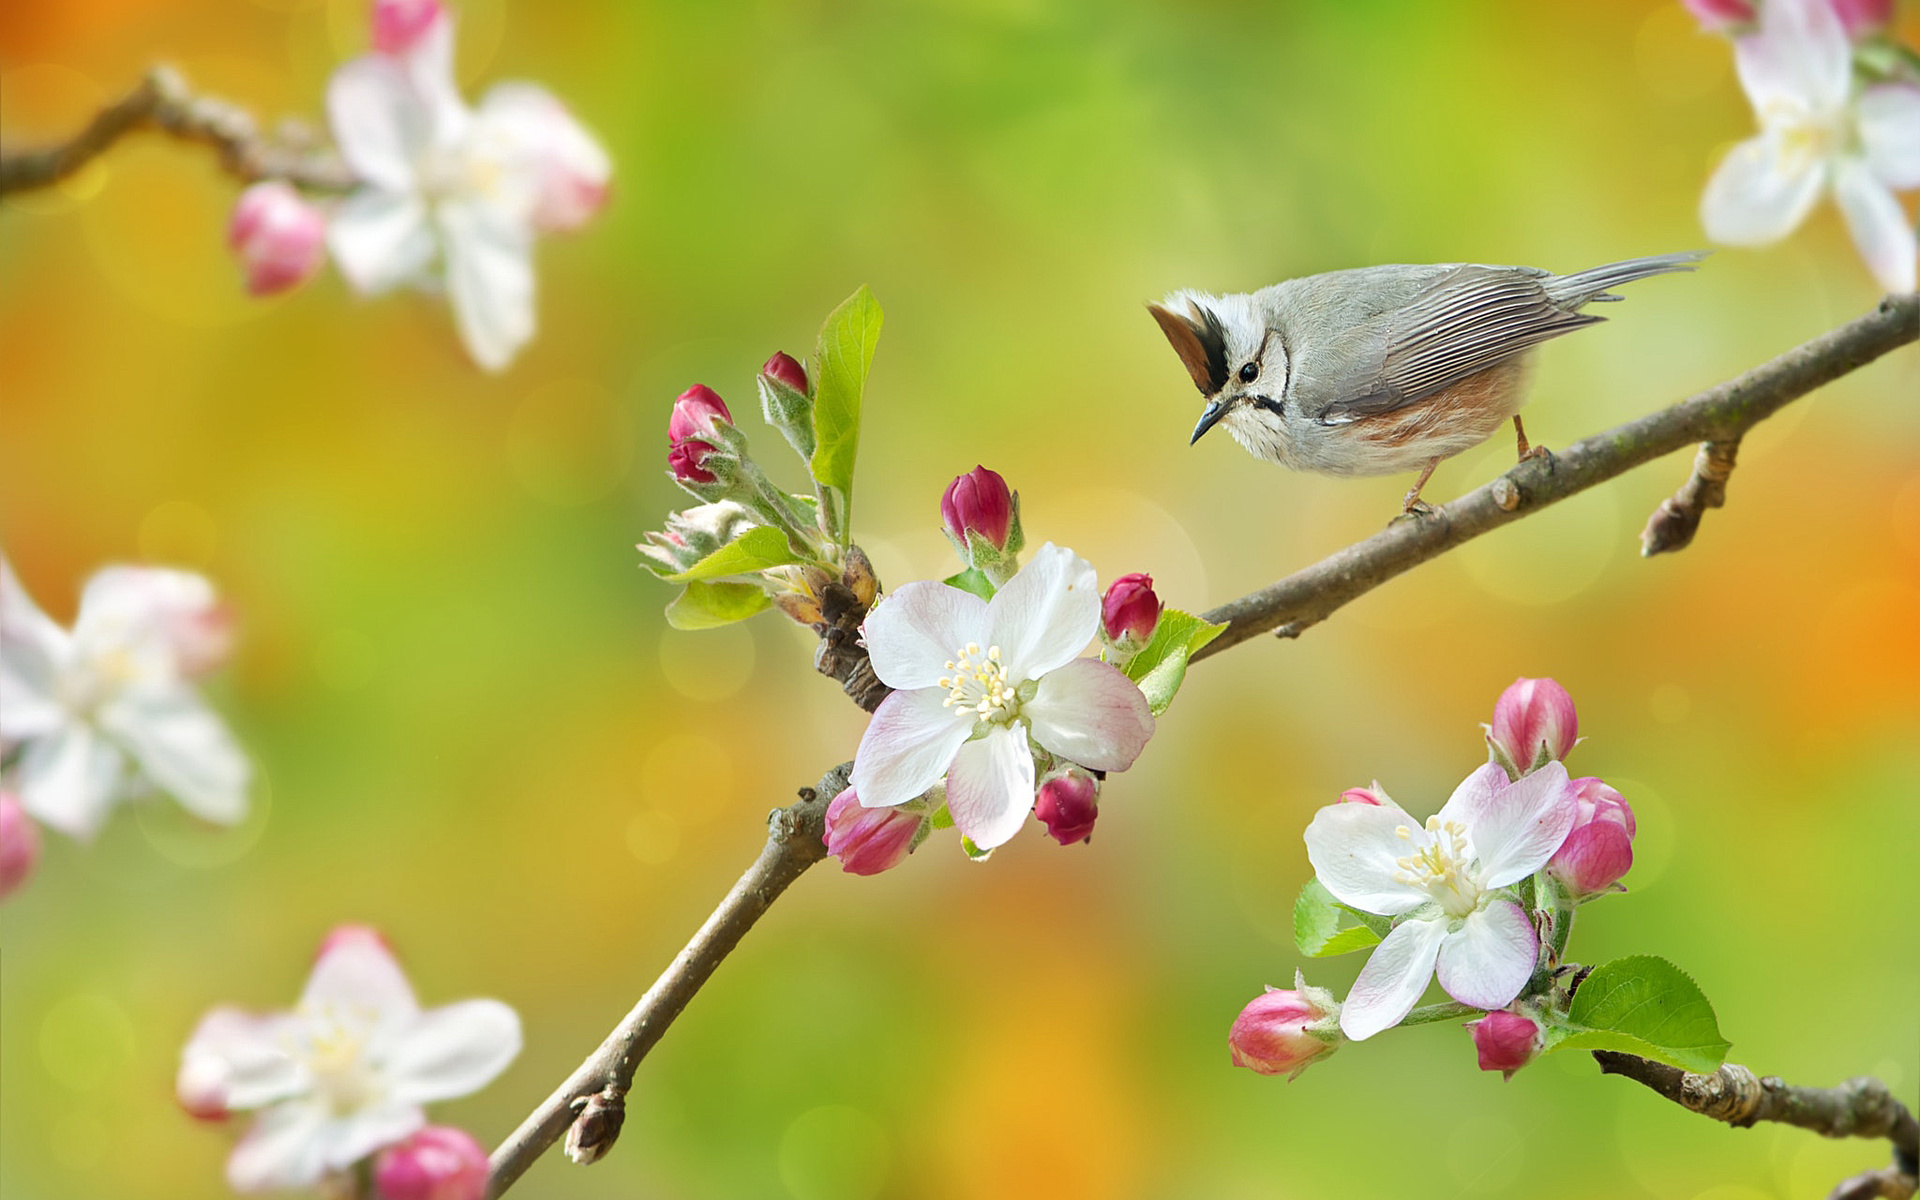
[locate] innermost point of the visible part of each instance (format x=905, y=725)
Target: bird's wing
x=1469, y=319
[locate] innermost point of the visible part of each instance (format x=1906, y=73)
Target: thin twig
x=1291, y=605
x=1672, y=525
x=1857, y=1108
x=162, y=101
x=793, y=845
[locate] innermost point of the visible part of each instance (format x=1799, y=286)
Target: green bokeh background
x=473, y=729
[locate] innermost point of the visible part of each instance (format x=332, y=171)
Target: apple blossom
x=978, y=504
x=280, y=239
x=19, y=844
x=1533, y=724
x=978, y=682
x=687, y=461
x=1129, y=610
x=1818, y=130
x=1863, y=18
x=343, y=1074
x=437, y=1163
x=694, y=413
x=1375, y=795
x=1505, y=1041
x=868, y=841
x=1068, y=803
x=399, y=26
x=1285, y=1031
x=1721, y=16
x=1599, y=847
x=106, y=711
x=1447, y=883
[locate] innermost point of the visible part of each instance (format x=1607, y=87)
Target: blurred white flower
x=453, y=196
x=345, y=1073
x=106, y=710
x=1817, y=131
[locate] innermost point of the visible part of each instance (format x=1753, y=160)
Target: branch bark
x=1857, y=1108
x=163, y=101
x=1292, y=605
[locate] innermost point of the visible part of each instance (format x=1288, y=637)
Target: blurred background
x=472, y=728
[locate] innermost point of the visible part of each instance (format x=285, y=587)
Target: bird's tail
x=1582, y=287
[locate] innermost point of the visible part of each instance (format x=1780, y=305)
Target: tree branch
x=1719, y=414
x=793, y=844
x=1857, y=1108
x=596, y=1090
x=162, y=101
x=1672, y=525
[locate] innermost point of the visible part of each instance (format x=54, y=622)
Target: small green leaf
x=758, y=549
x=711, y=605
x=972, y=581
x=1318, y=921
x=942, y=818
x=840, y=377
x=1161, y=665
x=1647, y=1006
x=974, y=852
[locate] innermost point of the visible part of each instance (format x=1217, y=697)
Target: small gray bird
x=1381, y=369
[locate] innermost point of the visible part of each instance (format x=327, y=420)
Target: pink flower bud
x=19, y=844
x=1599, y=848
x=345, y=935
x=685, y=459
x=1533, y=724
x=279, y=238
x=1130, y=610
x=1068, y=804
x=1506, y=1041
x=787, y=370
x=1863, y=18
x=978, y=503
x=695, y=412
x=868, y=841
x=1374, y=796
x=1722, y=16
x=1270, y=1035
x=437, y=1163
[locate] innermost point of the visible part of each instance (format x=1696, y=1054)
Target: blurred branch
x=162, y=102
x=1718, y=415
x=1857, y=1108
x=591, y=1099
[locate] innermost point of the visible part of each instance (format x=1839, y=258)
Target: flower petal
x=356, y=975
x=284, y=1149
x=1889, y=124
x=990, y=786
x=1087, y=711
x=907, y=747
x=913, y=633
x=1393, y=978
x=235, y=1060
x=1799, y=61
x=569, y=167
x=1487, y=960
x=381, y=239
x=1878, y=225
x=67, y=779
x=1760, y=192
x=489, y=280
x=1516, y=829
x=1046, y=614
x=1356, y=849
x=32, y=651
x=380, y=122
x=180, y=745
x=450, y=1051
x=347, y=1139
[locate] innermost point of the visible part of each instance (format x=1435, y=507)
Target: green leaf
x=1647, y=1006
x=942, y=818
x=1319, y=924
x=840, y=376
x=757, y=549
x=1161, y=665
x=711, y=605
x=972, y=581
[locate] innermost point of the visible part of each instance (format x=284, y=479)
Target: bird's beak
x=1208, y=419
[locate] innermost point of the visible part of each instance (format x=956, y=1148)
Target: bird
x=1381, y=370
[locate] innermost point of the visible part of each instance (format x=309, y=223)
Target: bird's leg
x=1527, y=451
x=1412, y=501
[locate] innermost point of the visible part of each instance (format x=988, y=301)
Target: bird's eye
x=1249, y=372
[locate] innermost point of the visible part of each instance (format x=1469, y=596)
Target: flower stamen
x=979, y=683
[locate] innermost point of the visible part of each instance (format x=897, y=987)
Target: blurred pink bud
x=1863, y=18
x=1533, y=724
x=1506, y=1041
x=202, y=1089
x=1270, y=1035
x=1130, y=610
x=437, y=1163
x=279, y=238
x=341, y=936
x=695, y=412
x=1068, y=804
x=19, y=844
x=685, y=459
x=978, y=503
x=1722, y=16
x=868, y=841
x=787, y=369
x=399, y=25
x=1598, y=849
x=1374, y=795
